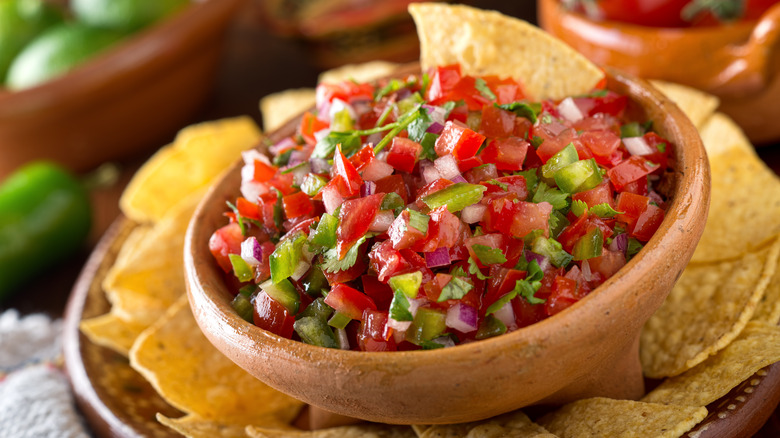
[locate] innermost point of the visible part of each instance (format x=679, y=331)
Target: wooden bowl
x=590, y=349
x=736, y=62
x=133, y=97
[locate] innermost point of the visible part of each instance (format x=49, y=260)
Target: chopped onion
x=445, y=341
x=300, y=270
x=619, y=243
x=506, y=315
x=297, y=157
x=367, y=188
x=542, y=261
x=251, y=251
x=435, y=128
x=332, y=199
x=319, y=165
x=398, y=326
x=458, y=179
x=637, y=146
x=376, y=170
x=282, y=145
x=587, y=274
x=252, y=190
x=338, y=105
x=437, y=114
x=473, y=213
x=429, y=171
x=341, y=334
x=569, y=110
x=299, y=174
x=447, y=166
x=382, y=221
x=439, y=257
x=462, y=318
x=574, y=273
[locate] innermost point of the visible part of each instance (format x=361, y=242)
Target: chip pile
x=718, y=327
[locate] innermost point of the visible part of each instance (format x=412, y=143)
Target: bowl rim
x=147, y=52
x=690, y=200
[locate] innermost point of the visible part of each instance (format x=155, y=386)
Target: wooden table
x=255, y=63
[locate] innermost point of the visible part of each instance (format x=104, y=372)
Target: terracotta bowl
x=590, y=349
x=737, y=62
x=131, y=98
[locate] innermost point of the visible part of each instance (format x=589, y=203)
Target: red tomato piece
x=564, y=293
x=402, y=234
x=386, y=261
x=466, y=90
x=604, y=147
x=263, y=171
x=309, y=125
x=296, y=205
x=647, y=223
x=496, y=122
x=630, y=170
x=607, y=264
x=506, y=153
x=469, y=163
x=485, y=172
x=225, y=241
x=355, y=219
x=501, y=284
x=403, y=154
x=631, y=207
x=380, y=292
x=393, y=184
x=443, y=80
x=555, y=136
x=434, y=287
x=351, y=302
x=458, y=140
x=350, y=274
x=601, y=194
x=527, y=313
x=347, y=91
x=362, y=158
x=609, y=103
x=247, y=209
x=445, y=230
x=660, y=146
x=374, y=334
x=351, y=181
x=271, y=315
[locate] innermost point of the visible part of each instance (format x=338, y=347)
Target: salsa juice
x=439, y=209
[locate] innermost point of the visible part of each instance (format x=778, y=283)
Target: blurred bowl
x=737, y=62
x=129, y=99
x=589, y=349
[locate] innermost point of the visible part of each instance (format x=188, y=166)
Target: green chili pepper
x=45, y=215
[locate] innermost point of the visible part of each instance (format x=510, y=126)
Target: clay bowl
x=736, y=62
x=590, y=349
x=133, y=97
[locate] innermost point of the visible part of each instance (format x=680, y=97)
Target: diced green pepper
x=315, y=331
x=589, y=245
x=490, y=327
x=241, y=268
x=315, y=282
x=312, y=184
x=428, y=324
x=578, y=176
x=564, y=157
x=419, y=221
x=284, y=292
x=325, y=234
x=408, y=284
x=339, y=320
x=317, y=309
x=409, y=103
x=286, y=256
x=392, y=201
x=243, y=306
x=342, y=122
x=551, y=248
x=633, y=129
x=456, y=197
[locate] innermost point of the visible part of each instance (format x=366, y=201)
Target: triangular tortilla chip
x=697, y=105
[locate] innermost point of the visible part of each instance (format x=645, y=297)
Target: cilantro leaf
x=545, y=193
x=529, y=110
x=455, y=289
x=484, y=90
x=557, y=222
x=531, y=179
x=535, y=272
x=349, y=141
x=488, y=255
x=474, y=270
x=332, y=263
x=527, y=289
x=578, y=207
x=428, y=144
x=536, y=141
x=399, y=307
x=604, y=211
x=418, y=128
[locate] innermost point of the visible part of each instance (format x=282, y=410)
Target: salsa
x=440, y=209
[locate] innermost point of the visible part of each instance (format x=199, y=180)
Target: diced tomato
x=660, y=146
x=403, y=154
x=302, y=224
x=351, y=302
x=555, y=136
x=516, y=218
x=630, y=170
x=564, y=294
x=506, y=153
x=574, y=231
x=604, y=147
x=496, y=122
x=263, y=270
x=460, y=113
x=362, y=157
x=402, y=234
x=380, y=292
x=351, y=181
x=599, y=122
x=507, y=90
x=638, y=187
x=507, y=184
x=485, y=172
x=225, y=241
x=417, y=263
x=283, y=182
x=458, y=140
x=271, y=315
x=631, y=207
x=609, y=103
x=374, y=334
x=647, y=223
x=247, y=209
x=263, y=171
x=445, y=230
x=386, y=261
x=527, y=313
x=434, y=287
x=469, y=163
x=296, y=205
x=502, y=281
x=348, y=91
x=607, y=263
x=309, y=125
x=355, y=219
x=393, y=184
x=443, y=79
x=601, y=194
x=492, y=240
x=466, y=90
x=350, y=274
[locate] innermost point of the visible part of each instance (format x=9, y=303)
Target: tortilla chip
x=198, y=155
x=697, y=105
x=721, y=134
x=513, y=424
x=146, y=281
x=278, y=108
x=193, y=426
x=707, y=308
x=367, y=430
x=768, y=309
x=756, y=347
x=489, y=43
x=745, y=205
x=112, y=332
x=194, y=377
x=602, y=417
x=365, y=72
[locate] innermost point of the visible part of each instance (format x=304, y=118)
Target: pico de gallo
x=434, y=210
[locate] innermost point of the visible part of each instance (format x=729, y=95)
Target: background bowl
x=737, y=62
x=589, y=349
x=131, y=98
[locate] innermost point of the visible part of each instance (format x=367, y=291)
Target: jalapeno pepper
x=45, y=215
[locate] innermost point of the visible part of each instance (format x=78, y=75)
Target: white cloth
x=35, y=397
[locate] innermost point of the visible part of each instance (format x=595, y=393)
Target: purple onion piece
x=283, y=144
x=368, y=188
x=462, y=317
x=439, y=257
x=437, y=114
x=251, y=251
x=619, y=243
x=319, y=165
x=435, y=128
x=458, y=179
x=541, y=260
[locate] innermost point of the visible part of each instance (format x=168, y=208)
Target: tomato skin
x=555, y=137
x=263, y=172
x=296, y=205
x=401, y=234
x=601, y=194
x=647, y=223
x=309, y=125
x=458, y=140
x=496, y=122
x=349, y=301
x=506, y=153
x=350, y=182
x=271, y=315
x=393, y=184
x=374, y=335
x=386, y=261
x=362, y=157
x=527, y=313
x=604, y=147
x=355, y=219
x=403, y=154
x=630, y=170
x=443, y=79
x=225, y=241
x=564, y=294
x=380, y=292
x=247, y=209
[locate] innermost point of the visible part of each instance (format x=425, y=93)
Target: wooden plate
x=119, y=402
